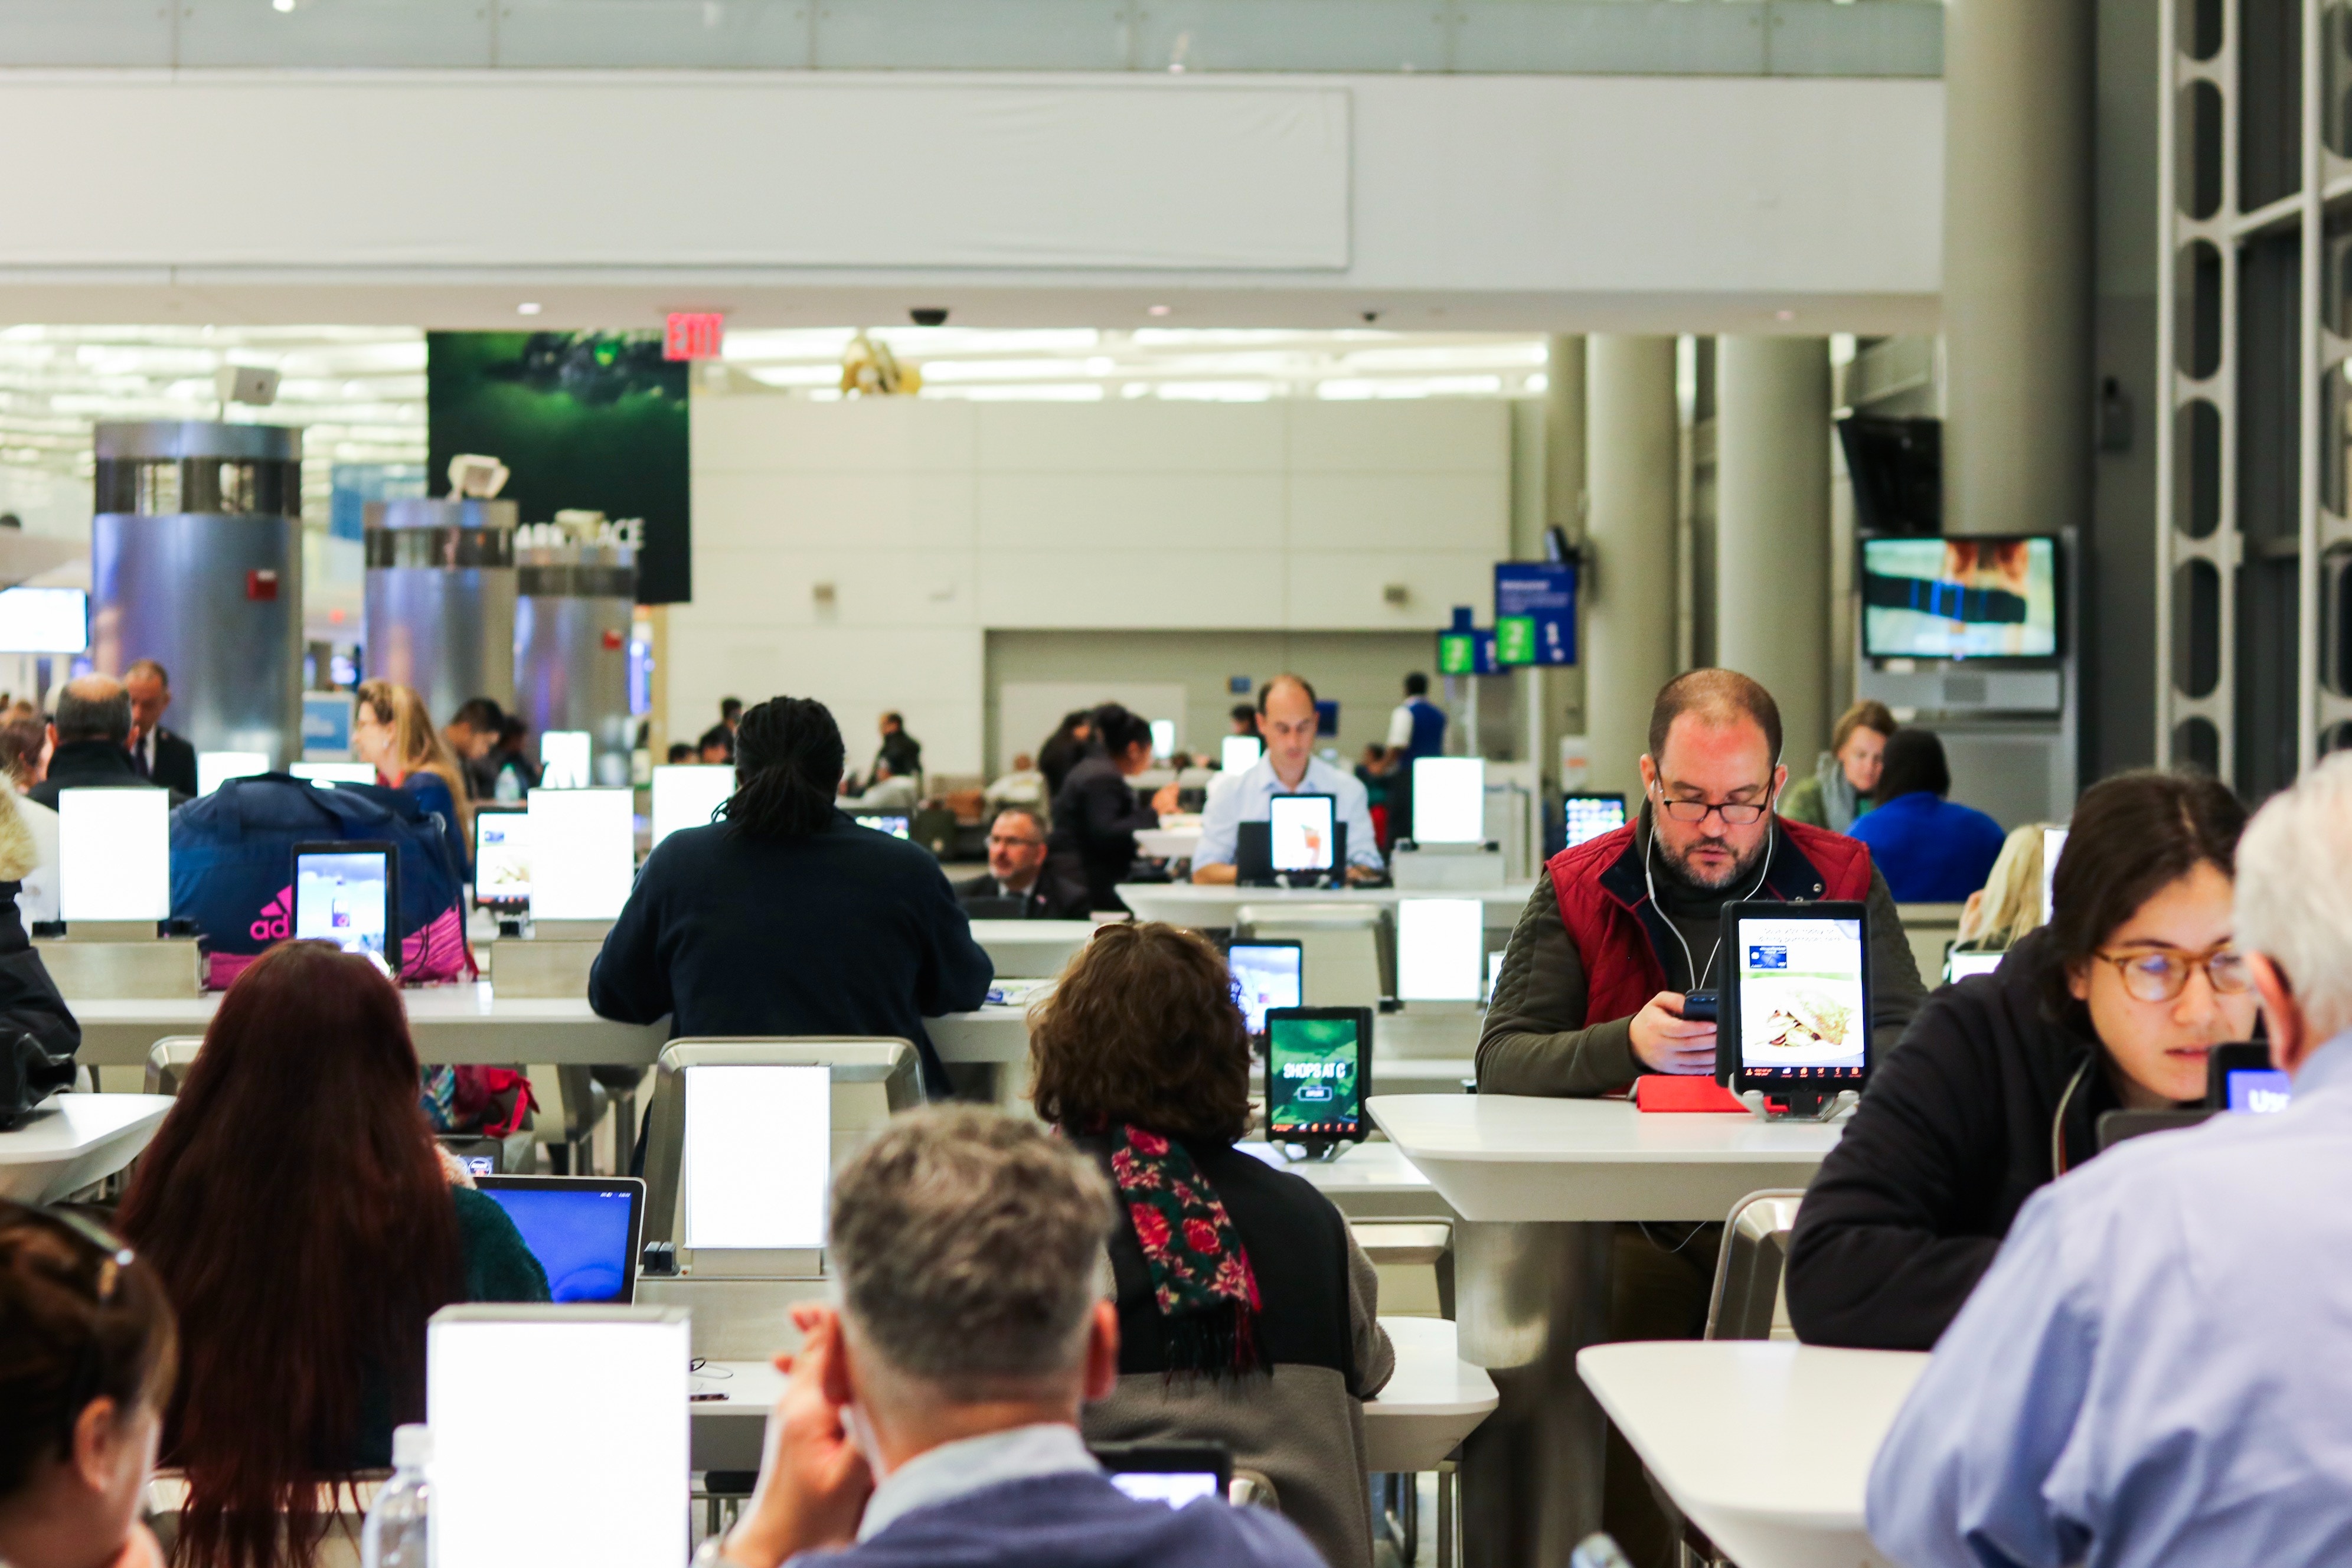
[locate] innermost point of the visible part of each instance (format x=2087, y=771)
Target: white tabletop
x=1368, y=1180
x=1166, y=843
x=1767, y=1444
x=1431, y=1402
x=1208, y=905
x=1513, y=1158
x=74, y=1140
x=463, y=1024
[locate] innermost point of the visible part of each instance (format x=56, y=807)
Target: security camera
x=930, y=315
x=1370, y=316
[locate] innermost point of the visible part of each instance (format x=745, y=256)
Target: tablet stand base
x=1316, y=1149
x=1801, y=1104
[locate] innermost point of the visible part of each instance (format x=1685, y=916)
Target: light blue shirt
x=1249, y=799
x=948, y=1471
x=2155, y=1370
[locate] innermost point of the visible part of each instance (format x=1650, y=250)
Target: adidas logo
x=276, y=922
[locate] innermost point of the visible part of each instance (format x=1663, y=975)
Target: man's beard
x=1742, y=866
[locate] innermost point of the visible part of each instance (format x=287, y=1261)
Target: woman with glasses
x=87, y=1352
x=1999, y=1084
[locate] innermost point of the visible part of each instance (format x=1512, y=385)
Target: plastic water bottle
x=395, y=1535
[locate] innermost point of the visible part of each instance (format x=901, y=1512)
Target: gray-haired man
x=933, y=1416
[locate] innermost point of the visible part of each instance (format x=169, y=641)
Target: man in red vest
x=1621, y=926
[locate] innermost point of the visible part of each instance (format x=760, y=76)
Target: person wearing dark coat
x=90, y=741
x=38, y=1034
x=1017, y=869
x=1064, y=749
x=1095, y=815
x=1998, y=1086
x=159, y=756
x=787, y=918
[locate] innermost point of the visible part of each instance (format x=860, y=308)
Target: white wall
x=1674, y=204
x=937, y=522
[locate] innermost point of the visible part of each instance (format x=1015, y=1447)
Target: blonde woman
x=2010, y=904
x=392, y=731
x=1846, y=778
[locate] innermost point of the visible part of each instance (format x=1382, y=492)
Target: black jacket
x=1096, y=819
x=1050, y=897
x=1058, y=756
x=91, y=764
x=1955, y=1132
x=175, y=764
x=39, y=1036
x=844, y=932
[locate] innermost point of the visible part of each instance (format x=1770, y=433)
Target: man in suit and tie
x=1017, y=869
x=158, y=755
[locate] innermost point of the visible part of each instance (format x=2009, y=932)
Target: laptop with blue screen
x=585, y=1231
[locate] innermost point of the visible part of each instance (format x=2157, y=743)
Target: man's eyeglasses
x=2159, y=975
x=1735, y=813
x=998, y=841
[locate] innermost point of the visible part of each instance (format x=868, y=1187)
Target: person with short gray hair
x=1018, y=876
x=2143, y=1376
x=932, y=1415
x=90, y=741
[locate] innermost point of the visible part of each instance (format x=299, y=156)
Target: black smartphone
x=1698, y=1006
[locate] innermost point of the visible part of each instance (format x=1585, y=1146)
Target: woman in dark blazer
x=1095, y=815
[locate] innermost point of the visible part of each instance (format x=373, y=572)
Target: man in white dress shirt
x=1287, y=720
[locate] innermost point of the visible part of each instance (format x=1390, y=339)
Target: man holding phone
x=1621, y=927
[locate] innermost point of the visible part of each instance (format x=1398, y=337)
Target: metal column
x=1630, y=445
x=441, y=599
x=573, y=613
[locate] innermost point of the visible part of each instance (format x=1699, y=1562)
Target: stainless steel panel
x=449, y=634
x=197, y=438
x=571, y=672
x=183, y=589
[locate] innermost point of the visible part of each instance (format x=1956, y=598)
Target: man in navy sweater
x=933, y=1417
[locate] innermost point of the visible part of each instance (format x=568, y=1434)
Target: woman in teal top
x=305, y=1224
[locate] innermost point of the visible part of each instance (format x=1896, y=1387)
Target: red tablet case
x=1670, y=1092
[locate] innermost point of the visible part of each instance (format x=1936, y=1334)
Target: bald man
x=1287, y=721
x=90, y=741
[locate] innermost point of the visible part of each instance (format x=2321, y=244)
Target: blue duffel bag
x=233, y=861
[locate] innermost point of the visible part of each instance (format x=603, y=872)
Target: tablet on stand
x=1792, y=1035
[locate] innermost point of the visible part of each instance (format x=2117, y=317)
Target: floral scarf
x=1201, y=1275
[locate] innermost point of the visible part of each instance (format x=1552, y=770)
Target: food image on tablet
x=1801, y=997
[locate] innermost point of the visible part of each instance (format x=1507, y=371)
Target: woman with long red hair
x=305, y=1224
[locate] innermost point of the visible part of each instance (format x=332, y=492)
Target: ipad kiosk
x=1792, y=1038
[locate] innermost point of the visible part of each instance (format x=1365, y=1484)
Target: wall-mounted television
x=1960, y=598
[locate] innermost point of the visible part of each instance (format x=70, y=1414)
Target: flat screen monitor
x=1588, y=817
x=114, y=855
x=895, y=827
x=326, y=775
x=1796, y=1002
x=563, y=760
x=757, y=1166
x=1163, y=738
x=2053, y=843
x=348, y=894
x=1171, y=1473
x=1319, y=1070
x=1962, y=966
x=1449, y=800
x=215, y=769
x=585, y=1231
x=687, y=794
x=2239, y=1077
x=1441, y=951
x=2260, y=1089
x=1960, y=598
x=1299, y=832
x=600, y=1479
x=584, y=853
x=1239, y=753
x=44, y=620
x=501, y=857
x=1265, y=975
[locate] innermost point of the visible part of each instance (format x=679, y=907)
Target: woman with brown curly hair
x=1247, y=1314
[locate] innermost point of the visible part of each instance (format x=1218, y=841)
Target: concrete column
x=1772, y=529
x=1629, y=450
x=1553, y=695
x=2018, y=80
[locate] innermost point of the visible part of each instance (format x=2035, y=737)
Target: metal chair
x=167, y=1062
x=1745, y=1304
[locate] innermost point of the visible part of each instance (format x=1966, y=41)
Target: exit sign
x=693, y=334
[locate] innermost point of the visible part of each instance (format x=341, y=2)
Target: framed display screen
x=1960, y=598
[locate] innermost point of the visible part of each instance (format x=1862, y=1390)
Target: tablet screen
x=1449, y=800
x=1174, y=1488
x=895, y=827
x=580, y=1230
x=1239, y=753
x=1314, y=1071
x=344, y=898
x=2259, y=1089
x=501, y=858
x=114, y=854
x=1801, y=998
x=1440, y=949
x=1299, y=831
x=1960, y=965
x=1265, y=975
x=1591, y=816
x=688, y=795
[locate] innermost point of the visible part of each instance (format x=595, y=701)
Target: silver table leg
x=1530, y=1296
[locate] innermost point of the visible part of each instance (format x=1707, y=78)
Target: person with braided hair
x=784, y=917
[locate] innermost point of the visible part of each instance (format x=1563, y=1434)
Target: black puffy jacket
x=1986, y=1100
x=39, y=1036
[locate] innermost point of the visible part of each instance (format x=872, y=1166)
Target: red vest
x=1604, y=899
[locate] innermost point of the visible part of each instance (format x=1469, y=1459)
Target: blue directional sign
x=1535, y=612
x=1465, y=649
